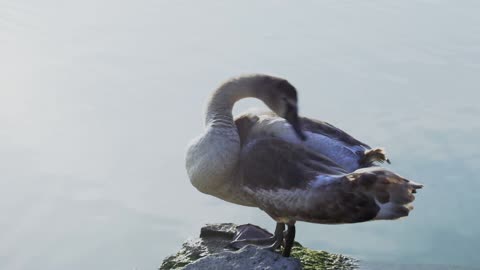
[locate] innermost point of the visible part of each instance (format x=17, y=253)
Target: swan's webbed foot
x=238, y=244
x=270, y=243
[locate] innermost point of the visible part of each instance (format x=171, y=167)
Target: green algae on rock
x=322, y=260
x=191, y=251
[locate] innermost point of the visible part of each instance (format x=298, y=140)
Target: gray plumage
x=293, y=168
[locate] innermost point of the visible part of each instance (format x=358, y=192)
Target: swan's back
x=322, y=138
x=325, y=179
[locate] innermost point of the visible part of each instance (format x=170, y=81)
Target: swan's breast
x=210, y=160
x=210, y=170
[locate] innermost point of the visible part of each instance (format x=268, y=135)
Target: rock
x=221, y=230
x=249, y=257
x=210, y=252
x=213, y=239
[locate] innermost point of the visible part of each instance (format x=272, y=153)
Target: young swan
x=294, y=169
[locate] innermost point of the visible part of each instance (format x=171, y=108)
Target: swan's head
x=281, y=97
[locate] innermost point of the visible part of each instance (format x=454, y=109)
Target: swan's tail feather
x=393, y=194
x=374, y=155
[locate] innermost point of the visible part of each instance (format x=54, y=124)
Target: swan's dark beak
x=294, y=120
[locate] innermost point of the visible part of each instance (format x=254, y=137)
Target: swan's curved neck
x=219, y=110
x=213, y=157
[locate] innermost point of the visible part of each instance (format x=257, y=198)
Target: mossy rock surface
x=191, y=251
x=215, y=237
x=322, y=260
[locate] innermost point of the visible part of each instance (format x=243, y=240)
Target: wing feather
x=329, y=130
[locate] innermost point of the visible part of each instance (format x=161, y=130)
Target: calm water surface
x=98, y=100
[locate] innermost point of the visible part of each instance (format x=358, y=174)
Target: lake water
x=98, y=100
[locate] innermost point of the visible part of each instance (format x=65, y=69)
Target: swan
x=291, y=167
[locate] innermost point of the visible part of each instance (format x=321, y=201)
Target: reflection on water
x=98, y=100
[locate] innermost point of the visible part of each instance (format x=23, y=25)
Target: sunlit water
x=98, y=100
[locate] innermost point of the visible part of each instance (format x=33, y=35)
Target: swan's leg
x=279, y=236
x=289, y=241
x=270, y=243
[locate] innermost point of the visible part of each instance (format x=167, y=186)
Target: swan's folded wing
x=324, y=139
x=272, y=163
x=290, y=183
